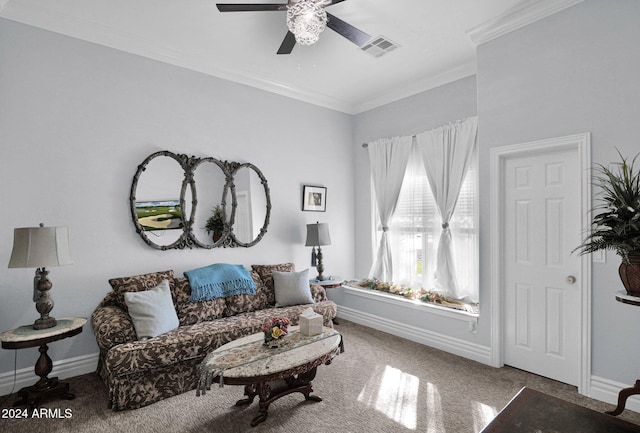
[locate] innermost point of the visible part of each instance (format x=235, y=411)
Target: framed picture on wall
x=314, y=198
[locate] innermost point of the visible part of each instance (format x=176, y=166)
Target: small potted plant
x=616, y=220
x=215, y=223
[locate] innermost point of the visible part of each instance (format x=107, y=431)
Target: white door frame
x=498, y=155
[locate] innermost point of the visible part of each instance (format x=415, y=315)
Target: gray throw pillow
x=292, y=288
x=152, y=311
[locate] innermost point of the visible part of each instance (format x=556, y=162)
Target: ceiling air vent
x=379, y=46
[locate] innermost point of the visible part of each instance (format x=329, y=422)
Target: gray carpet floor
x=381, y=383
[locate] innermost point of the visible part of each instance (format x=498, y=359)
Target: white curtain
x=446, y=153
x=388, y=159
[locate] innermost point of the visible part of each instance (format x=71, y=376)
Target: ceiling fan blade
x=355, y=35
x=249, y=7
x=332, y=2
x=287, y=44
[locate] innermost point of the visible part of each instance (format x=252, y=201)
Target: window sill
x=452, y=313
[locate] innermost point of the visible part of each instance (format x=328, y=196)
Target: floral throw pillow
x=138, y=283
x=266, y=275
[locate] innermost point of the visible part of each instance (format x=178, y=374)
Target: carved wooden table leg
x=623, y=396
x=251, y=392
x=46, y=386
x=303, y=383
x=267, y=394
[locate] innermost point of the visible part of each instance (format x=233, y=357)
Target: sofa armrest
x=112, y=326
x=318, y=293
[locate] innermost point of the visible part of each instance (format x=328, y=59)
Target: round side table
x=625, y=393
x=330, y=283
x=24, y=337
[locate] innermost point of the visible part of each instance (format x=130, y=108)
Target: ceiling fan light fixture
x=306, y=20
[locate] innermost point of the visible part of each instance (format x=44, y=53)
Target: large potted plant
x=616, y=220
x=215, y=224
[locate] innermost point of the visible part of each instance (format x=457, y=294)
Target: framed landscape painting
x=314, y=198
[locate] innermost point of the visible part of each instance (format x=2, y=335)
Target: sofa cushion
x=265, y=273
x=193, y=312
x=292, y=288
x=197, y=340
x=152, y=311
x=138, y=283
x=246, y=303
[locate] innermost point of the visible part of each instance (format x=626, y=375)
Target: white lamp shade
x=39, y=247
x=317, y=235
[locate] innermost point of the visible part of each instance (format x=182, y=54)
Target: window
x=415, y=229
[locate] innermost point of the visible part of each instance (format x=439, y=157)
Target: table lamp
x=317, y=235
x=40, y=247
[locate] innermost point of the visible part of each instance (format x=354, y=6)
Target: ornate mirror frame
x=234, y=205
x=188, y=237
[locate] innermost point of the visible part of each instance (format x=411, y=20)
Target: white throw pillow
x=292, y=288
x=152, y=311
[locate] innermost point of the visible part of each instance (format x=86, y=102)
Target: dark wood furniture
x=267, y=373
x=533, y=411
x=635, y=389
x=25, y=337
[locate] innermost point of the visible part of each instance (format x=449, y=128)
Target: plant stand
x=635, y=389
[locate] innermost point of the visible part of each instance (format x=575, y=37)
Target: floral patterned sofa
x=138, y=373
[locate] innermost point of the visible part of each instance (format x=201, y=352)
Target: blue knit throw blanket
x=219, y=281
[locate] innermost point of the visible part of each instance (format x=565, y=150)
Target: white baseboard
x=448, y=344
x=63, y=369
x=607, y=390
x=600, y=388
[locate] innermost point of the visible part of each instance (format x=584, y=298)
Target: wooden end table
x=625, y=393
x=329, y=284
x=24, y=337
x=270, y=373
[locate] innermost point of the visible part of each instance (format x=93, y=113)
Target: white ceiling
x=437, y=41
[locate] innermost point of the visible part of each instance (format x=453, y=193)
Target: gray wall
x=574, y=72
x=75, y=121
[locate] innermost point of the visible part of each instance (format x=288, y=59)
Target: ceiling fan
x=306, y=19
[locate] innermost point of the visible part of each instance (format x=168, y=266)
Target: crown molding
x=528, y=12
x=26, y=12
x=48, y=18
x=419, y=86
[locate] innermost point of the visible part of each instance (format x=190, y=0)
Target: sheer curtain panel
x=446, y=154
x=388, y=160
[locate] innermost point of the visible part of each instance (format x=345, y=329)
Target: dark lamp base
x=47, y=323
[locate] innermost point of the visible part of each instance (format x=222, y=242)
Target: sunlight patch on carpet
x=435, y=420
x=394, y=394
x=482, y=415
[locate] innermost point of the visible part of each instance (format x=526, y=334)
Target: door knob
x=571, y=279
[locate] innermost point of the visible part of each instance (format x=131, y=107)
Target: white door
x=542, y=288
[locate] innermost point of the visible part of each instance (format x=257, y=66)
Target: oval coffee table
x=270, y=373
